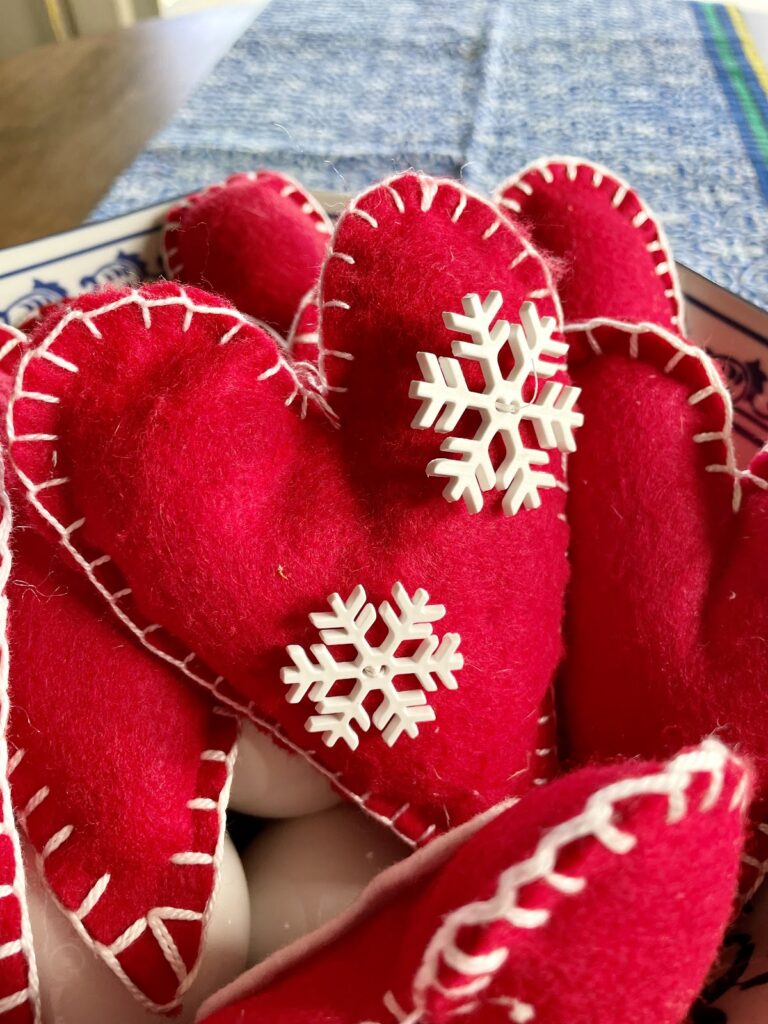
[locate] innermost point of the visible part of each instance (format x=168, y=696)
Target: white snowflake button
x=374, y=670
x=501, y=405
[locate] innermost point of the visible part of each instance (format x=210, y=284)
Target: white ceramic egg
x=270, y=782
x=78, y=988
x=303, y=872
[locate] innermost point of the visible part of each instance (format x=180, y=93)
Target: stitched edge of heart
x=207, y=800
x=291, y=189
x=30, y=995
x=429, y=187
x=303, y=345
x=411, y=828
x=153, y=920
x=704, y=370
x=538, y=173
x=472, y=974
x=615, y=337
x=305, y=338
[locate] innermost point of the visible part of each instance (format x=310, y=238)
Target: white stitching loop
x=597, y=821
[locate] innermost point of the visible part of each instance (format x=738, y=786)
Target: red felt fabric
x=257, y=238
x=231, y=518
x=17, y=998
x=110, y=745
x=619, y=944
x=118, y=740
x=668, y=603
x=611, y=253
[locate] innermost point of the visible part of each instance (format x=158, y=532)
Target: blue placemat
x=342, y=93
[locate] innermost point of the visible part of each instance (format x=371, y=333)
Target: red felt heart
x=120, y=775
x=120, y=778
x=611, y=252
x=256, y=238
x=668, y=610
x=571, y=907
x=232, y=501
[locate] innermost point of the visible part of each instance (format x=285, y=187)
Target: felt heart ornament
x=572, y=907
x=668, y=607
x=611, y=253
x=204, y=488
x=257, y=238
x=19, y=998
x=120, y=773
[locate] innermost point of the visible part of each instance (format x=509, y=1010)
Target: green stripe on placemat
x=742, y=75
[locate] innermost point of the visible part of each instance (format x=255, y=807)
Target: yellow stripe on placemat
x=748, y=46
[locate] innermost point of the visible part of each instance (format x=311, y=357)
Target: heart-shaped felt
x=120, y=777
x=120, y=772
x=231, y=501
x=257, y=238
x=571, y=907
x=611, y=253
x=668, y=609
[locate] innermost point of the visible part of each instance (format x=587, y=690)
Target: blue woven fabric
x=341, y=94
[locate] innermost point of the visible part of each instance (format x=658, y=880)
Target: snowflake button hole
x=502, y=404
x=372, y=672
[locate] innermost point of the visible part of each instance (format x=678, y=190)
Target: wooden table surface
x=73, y=115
